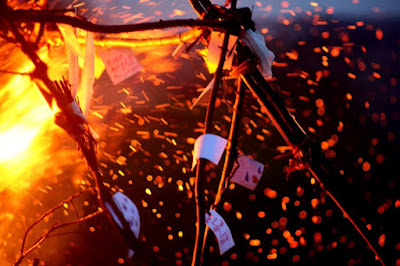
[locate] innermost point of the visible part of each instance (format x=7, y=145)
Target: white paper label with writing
x=120, y=63
x=128, y=210
x=247, y=172
x=221, y=230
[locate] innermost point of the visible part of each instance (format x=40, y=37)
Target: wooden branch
x=52, y=229
x=15, y=73
x=346, y=214
x=50, y=211
x=46, y=16
x=200, y=180
x=106, y=41
x=230, y=156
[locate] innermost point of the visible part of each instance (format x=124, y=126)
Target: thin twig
x=52, y=229
x=15, y=73
x=8, y=39
x=346, y=215
x=77, y=214
x=65, y=233
x=50, y=211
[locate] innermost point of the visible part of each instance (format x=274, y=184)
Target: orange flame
x=23, y=117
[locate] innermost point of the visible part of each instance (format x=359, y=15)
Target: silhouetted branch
x=47, y=16
x=50, y=211
x=52, y=229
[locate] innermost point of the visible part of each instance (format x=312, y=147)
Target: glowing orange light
x=379, y=34
x=255, y=242
x=270, y=193
x=22, y=120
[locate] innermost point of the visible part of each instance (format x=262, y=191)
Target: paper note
x=214, y=51
x=205, y=95
x=221, y=230
x=69, y=35
x=210, y=147
x=73, y=52
x=256, y=42
x=99, y=66
x=120, y=64
x=130, y=253
x=73, y=73
x=128, y=210
x=87, y=79
x=247, y=172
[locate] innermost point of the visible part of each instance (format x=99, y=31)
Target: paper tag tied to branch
x=120, y=63
x=214, y=51
x=128, y=210
x=256, y=42
x=247, y=172
x=87, y=78
x=221, y=230
x=210, y=147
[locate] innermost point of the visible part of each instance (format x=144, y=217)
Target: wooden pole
x=230, y=156
x=201, y=179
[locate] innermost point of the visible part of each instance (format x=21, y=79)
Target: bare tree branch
x=52, y=229
x=50, y=211
x=46, y=16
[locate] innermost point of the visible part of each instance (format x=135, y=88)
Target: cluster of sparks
x=148, y=130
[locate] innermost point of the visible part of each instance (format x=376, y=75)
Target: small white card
x=120, y=64
x=214, y=51
x=128, y=210
x=247, y=172
x=70, y=39
x=221, y=230
x=74, y=51
x=87, y=79
x=210, y=147
x=205, y=95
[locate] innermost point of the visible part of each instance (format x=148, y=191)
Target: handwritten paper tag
x=205, y=95
x=214, y=51
x=210, y=147
x=128, y=210
x=221, y=230
x=120, y=64
x=247, y=172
